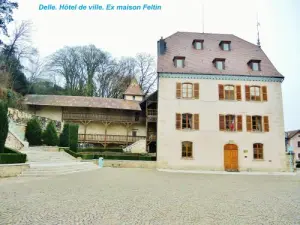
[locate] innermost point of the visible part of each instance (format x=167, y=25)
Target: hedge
x=74, y=154
x=10, y=157
x=120, y=150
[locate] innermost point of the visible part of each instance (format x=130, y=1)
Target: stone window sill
x=258, y=160
x=187, y=158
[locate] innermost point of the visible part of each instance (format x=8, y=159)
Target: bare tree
x=146, y=73
x=66, y=62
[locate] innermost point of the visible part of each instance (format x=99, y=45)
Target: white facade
x=295, y=143
x=209, y=141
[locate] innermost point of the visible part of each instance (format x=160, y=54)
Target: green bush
x=11, y=156
x=74, y=154
x=3, y=125
x=119, y=150
x=33, y=132
x=83, y=156
x=73, y=137
x=64, y=136
x=50, y=137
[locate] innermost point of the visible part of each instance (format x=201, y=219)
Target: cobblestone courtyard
x=137, y=196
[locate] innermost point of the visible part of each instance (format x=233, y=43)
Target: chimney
x=161, y=46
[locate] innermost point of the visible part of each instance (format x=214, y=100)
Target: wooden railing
x=102, y=138
x=101, y=117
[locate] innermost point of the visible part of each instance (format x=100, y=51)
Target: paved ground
x=136, y=196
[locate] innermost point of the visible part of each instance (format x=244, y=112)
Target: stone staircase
x=137, y=147
x=51, y=163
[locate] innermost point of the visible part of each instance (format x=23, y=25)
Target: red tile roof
x=200, y=61
x=81, y=101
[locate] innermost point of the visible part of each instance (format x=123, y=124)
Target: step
x=54, y=174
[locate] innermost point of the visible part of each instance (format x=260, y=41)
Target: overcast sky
x=125, y=33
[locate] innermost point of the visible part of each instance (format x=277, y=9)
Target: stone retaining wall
x=12, y=170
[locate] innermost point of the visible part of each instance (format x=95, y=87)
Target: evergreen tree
x=33, y=132
x=64, y=136
x=73, y=137
x=3, y=125
x=50, y=137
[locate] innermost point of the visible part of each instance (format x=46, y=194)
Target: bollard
x=100, y=162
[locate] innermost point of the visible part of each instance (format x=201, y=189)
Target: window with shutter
x=264, y=93
x=187, y=121
x=239, y=123
x=249, y=123
x=222, y=122
x=230, y=123
x=247, y=92
x=221, y=91
x=196, y=121
x=255, y=93
x=178, y=121
x=266, y=123
x=256, y=123
x=238, y=92
x=178, y=90
x=196, y=90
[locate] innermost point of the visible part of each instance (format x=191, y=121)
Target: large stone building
x=219, y=105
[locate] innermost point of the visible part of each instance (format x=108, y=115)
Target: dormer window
x=219, y=64
x=225, y=45
x=254, y=64
x=198, y=44
x=179, y=61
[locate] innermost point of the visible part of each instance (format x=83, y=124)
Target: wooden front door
x=231, y=157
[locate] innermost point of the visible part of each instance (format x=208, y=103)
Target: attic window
x=254, y=64
x=219, y=63
x=225, y=45
x=198, y=44
x=179, y=61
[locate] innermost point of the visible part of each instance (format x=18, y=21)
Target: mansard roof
x=200, y=61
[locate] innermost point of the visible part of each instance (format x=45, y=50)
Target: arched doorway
x=231, y=157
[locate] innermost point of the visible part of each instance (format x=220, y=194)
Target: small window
x=298, y=155
x=133, y=97
x=255, y=93
x=258, y=151
x=219, y=64
x=187, y=90
x=229, y=92
x=230, y=122
x=256, y=123
x=187, y=121
x=187, y=149
x=198, y=44
x=298, y=144
x=225, y=45
x=254, y=64
x=179, y=61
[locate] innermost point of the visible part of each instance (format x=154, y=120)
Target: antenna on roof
x=257, y=25
x=202, y=17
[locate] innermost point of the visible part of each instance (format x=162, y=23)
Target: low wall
x=128, y=164
x=12, y=170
